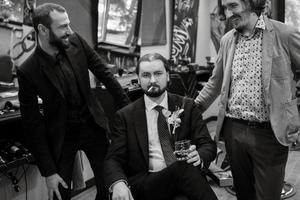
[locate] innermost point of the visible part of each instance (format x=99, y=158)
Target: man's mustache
x=233, y=17
x=66, y=36
x=152, y=86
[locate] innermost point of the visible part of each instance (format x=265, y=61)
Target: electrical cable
x=25, y=179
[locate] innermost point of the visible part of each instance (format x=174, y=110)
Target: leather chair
x=176, y=85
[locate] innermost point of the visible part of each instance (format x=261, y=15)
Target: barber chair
x=6, y=67
x=176, y=85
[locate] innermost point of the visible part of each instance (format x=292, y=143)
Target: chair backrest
x=6, y=65
x=180, y=197
x=176, y=85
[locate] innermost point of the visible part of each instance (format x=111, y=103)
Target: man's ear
x=42, y=29
x=168, y=77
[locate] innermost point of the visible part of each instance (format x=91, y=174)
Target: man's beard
x=58, y=41
x=156, y=91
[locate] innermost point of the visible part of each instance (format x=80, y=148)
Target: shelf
x=130, y=51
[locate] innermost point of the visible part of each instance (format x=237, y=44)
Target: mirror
x=117, y=21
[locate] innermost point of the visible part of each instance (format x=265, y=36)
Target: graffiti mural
x=185, y=29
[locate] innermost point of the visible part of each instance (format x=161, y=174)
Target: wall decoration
x=29, y=5
x=153, y=23
x=185, y=23
x=117, y=21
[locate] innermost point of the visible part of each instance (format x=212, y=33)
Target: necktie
x=164, y=137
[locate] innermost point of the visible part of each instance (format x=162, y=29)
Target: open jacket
x=45, y=131
x=280, y=60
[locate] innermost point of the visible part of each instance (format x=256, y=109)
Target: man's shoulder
x=228, y=37
x=76, y=39
x=30, y=63
x=282, y=28
x=184, y=100
x=132, y=106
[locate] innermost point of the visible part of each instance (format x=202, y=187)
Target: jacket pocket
x=279, y=67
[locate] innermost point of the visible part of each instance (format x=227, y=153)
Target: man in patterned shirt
x=258, y=116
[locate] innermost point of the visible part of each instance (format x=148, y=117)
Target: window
x=292, y=13
x=117, y=21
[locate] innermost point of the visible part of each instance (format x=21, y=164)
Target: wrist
x=111, y=188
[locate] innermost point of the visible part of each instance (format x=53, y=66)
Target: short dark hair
x=41, y=14
x=151, y=57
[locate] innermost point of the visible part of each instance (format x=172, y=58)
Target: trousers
x=180, y=178
x=257, y=160
x=92, y=139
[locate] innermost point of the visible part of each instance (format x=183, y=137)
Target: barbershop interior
x=186, y=32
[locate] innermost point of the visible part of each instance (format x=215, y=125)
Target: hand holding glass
x=182, y=149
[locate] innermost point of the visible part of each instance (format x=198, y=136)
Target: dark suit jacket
x=45, y=131
x=128, y=156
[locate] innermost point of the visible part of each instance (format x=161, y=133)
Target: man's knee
x=183, y=169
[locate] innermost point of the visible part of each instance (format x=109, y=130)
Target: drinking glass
x=182, y=149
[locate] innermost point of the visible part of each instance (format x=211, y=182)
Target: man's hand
x=121, y=192
x=52, y=185
x=193, y=156
x=294, y=137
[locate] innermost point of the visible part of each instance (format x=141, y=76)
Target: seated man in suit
x=140, y=163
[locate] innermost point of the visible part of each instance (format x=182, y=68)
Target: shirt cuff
x=110, y=189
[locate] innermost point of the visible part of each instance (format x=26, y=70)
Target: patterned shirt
x=246, y=97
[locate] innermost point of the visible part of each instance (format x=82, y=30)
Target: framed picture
x=153, y=23
x=29, y=5
x=184, y=34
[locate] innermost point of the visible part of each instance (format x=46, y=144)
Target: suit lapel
x=173, y=104
x=267, y=53
x=141, y=128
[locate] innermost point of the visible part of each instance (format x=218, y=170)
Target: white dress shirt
x=156, y=157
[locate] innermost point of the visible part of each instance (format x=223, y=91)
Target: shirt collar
x=149, y=104
x=260, y=24
x=52, y=60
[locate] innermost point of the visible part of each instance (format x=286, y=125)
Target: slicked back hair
x=41, y=14
x=152, y=57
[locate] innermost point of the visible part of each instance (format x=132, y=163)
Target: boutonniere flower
x=173, y=118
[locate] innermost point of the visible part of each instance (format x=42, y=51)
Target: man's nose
x=152, y=79
x=69, y=30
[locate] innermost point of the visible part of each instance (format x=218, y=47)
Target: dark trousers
x=178, y=178
x=90, y=138
x=257, y=161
